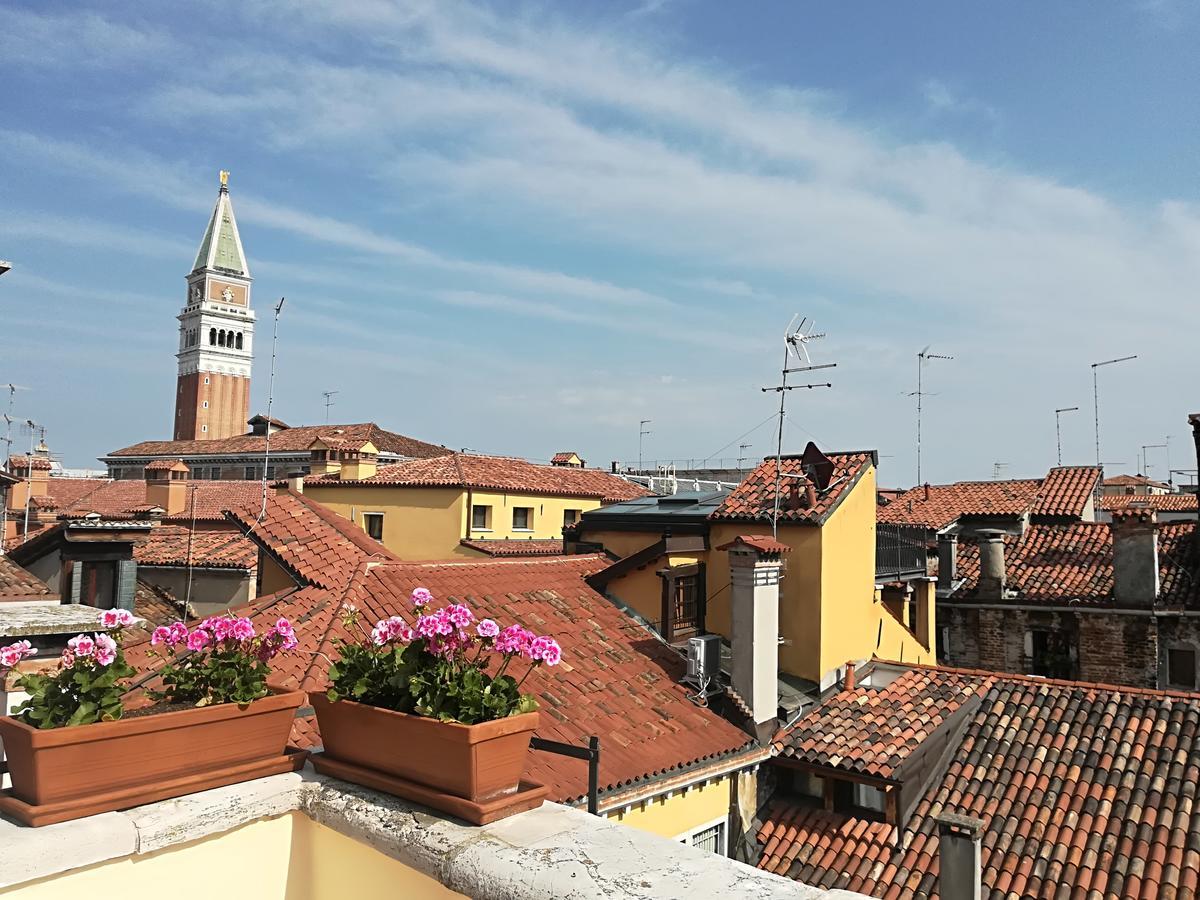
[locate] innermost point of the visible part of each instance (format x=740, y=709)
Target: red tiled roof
x=532, y=547
x=124, y=498
x=763, y=543
x=1066, y=490
x=937, y=505
x=288, y=440
x=563, y=456
x=754, y=498
x=1059, y=564
x=158, y=465
x=1160, y=502
x=312, y=542
x=1133, y=481
x=21, y=461
x=616, y=680
x=169, y=545
x=1084, y=791
x=18, y=585
x=498, y=473
x=871, y=730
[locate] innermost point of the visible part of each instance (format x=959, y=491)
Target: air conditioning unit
x=704, y=658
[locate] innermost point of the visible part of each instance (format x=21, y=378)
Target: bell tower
x=216, y=334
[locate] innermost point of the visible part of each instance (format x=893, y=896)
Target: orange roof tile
x=1160, y=502
x=19, y=585
x=1066, y=490
x=498, y=473
x=1059, y=564
x=754, y=498
x=763, y=543
x=1084, y=790
x=288, y=440
x=124, y=498
x=21, y=461
x=174, y=545
x=532, y=547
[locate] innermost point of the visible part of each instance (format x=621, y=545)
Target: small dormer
x=166, y=485
x=568, y=459
x=359, y=461
x=349, y=460
x=262, y=425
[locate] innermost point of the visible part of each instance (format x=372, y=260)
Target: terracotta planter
x=478, y=763
x=59, y=766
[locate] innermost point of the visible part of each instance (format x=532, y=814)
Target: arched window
x=239, y=340
x=212, y=336
x=221, y=338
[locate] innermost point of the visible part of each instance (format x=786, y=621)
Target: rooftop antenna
x=1096, y=396
x=795, y=345
x=1145, y=465
x=32, y=427
x=642, y=432
x=1170, y=471
x=998, y=470
x=1058, y=427
x=270, y=399
x=8, y=419
x=742, y=448
x=922, y=358
x=328, y=395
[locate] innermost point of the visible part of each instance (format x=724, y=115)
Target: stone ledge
x=551, y=852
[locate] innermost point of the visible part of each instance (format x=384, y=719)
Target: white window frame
x=528, y=526
x=487, y=516
x=688, y=836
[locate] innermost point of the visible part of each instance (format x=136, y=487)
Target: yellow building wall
x=547, y=514
x=641, y=589
x=681, y=813
x=418, y=523
x=290, y=857
x=272, y=577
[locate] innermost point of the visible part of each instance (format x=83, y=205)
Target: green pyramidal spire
x=221, y=248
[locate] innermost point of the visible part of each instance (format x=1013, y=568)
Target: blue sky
x=521, y=228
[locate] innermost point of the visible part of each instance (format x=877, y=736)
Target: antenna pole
x=329, y=395
x=270, y=399
x=742, y=458
x=642, y=432
x=1096, y=396
x=1058, y=427
x=29, y=472
x=921, y=358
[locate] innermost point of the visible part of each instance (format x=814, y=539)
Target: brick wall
x=1118, y=649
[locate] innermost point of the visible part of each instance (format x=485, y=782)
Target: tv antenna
x=642, y=432
x=1145, y=465
x=30, y=427
x=1058, y=427
x=795, y=348
x=8, y=419
x=998, y=470
x=270, y=399
x=328, y=395
x=742, y=448
x=922, y=357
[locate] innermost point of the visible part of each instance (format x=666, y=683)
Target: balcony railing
x=900, y=551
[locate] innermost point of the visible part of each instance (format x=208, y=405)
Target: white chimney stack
x=755, y=569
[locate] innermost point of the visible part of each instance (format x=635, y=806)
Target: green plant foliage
x=75, y=695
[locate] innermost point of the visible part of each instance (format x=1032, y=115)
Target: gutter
x=669, y=784
x=1111, y=610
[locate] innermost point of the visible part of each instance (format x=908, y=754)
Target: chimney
x=323, y=459
x=947, y=551
x=848, y=681
x=810, y=494
x=1135, y=556
x=295, y=481
x=959, y=871
x=755, y=569
x=927, y=491
x=992, y=582
x=167, y=485
x=359, y=463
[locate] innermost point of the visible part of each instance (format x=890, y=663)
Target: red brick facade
x=228, y=406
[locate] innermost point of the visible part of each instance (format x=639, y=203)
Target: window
x=204, y=405
x=204, y=428
x=212, y=339
x=206, y=379
x=239, y=340
x=373, y=525
x=867, y=797
x=1128, y=490
x=1051, y=653
x=1181, y=667
x=251, y=473
x=943, y=644
x=481, y=518
x=570, y=516
x=522, y=518
x=808, y=784
x=710, y=838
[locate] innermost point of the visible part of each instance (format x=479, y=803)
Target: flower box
x=475, y=762
x=65, y=773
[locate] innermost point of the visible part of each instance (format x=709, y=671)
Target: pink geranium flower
x=82, y=645
x=9, y=657
x=551, y=653
x=161, y=635
x=116, y=618
x=68, y=659
x=198, y=640
x=242, y=629
x=105, y=656
x=487, y=628
x=421, y=597
x=460, y=616
x=178, y=634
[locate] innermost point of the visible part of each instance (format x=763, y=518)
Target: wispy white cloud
x=49, y=40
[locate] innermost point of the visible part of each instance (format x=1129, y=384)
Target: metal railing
x=591, y=753
x=900, y=551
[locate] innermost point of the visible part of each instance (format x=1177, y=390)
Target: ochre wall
x=681, y=813
x=272, y=578
x=547, y=513
x=290, y=857
x=418, y=523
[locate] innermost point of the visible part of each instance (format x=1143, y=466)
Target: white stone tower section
x=216, y=334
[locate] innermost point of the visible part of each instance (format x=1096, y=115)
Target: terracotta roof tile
x=754, y=498
x=19, y=585
x=159, y=465
x=616, y=680
x=1066, y=490
x=871, y=730
x=1160, y=502
x=169, y=545
x=1084, y=790
x=763, y=543
x=1133, y=481
x=1056, y=564
x=21, y=461
x=532, y=547
x=288, y=440
x=499, y=473
x=124, y=498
